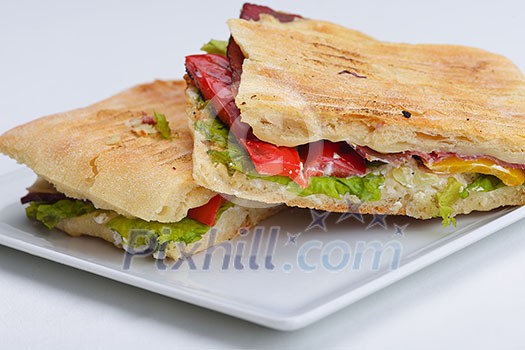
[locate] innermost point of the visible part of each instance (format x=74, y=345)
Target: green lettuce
x=367, y=188
x=187, y=230
x=214, y=131
x=450, y=195
x=227, y=152
x=218, y=47
x=162, y=125
x=455, y=191
x=282, y=180
x=51, y=214
x=230, y=153
x=483, y=183
x=137, y=232
x=235, y=159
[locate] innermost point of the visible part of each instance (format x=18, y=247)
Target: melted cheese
x=454, y=165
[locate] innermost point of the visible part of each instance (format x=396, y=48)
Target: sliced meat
x=253, y=12
x=42, y=197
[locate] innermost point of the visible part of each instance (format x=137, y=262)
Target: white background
x=59, y=55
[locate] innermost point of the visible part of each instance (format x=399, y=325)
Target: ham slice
x=397, y=159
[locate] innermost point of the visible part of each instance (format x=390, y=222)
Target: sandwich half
x=316, y=115
x=121, y=170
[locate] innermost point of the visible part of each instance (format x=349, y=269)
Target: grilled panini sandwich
x=121, y=170
x=316, y=115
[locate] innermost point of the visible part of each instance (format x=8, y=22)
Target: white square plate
x=295, y=269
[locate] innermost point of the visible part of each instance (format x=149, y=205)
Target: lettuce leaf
x=367, y=188
x=51, y=214
x=456, y=191
x=370, y=189
x=162, y=125
x=230, y=153
x=449, y=196
x=483, y=183
x=137, y=232
x=214, y=131
x=282, y=180
x=218, y=47
x=233, y=157
x=187, y=230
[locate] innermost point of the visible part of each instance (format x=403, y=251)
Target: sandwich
x=121, y=170
x=312, y=114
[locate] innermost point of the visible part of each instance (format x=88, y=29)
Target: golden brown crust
x=91, y=153
x=324, y=81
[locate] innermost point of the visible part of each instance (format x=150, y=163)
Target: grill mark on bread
x=94, y=167
x=444, y=84
x=351, y=60
x=330, y=64
x=339, y=50
x=182, y=162
x=70, y=150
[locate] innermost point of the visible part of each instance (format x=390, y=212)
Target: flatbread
x=92, y=153
x=310, y=80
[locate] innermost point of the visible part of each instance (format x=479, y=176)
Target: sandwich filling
x=53, y=209
x=331, y=168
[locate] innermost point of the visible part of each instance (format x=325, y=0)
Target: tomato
x=213, y=77
x=270, y=159
x=326, y=158
x=207, y=214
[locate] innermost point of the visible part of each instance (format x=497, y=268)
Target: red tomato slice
x=207, y=214
x=331, y=159
x=213, y=77
x=269, y=159
x=218, y=77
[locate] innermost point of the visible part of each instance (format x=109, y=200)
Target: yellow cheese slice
x=454, y=165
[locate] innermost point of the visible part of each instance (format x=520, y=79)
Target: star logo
x=351, y=212
x=318, y=220
x=359, y=217
x=378, y=220
x=292, y=239
x=400, y=230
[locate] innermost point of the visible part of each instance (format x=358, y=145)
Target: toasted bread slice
x=93, y=153
x=309, y=80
